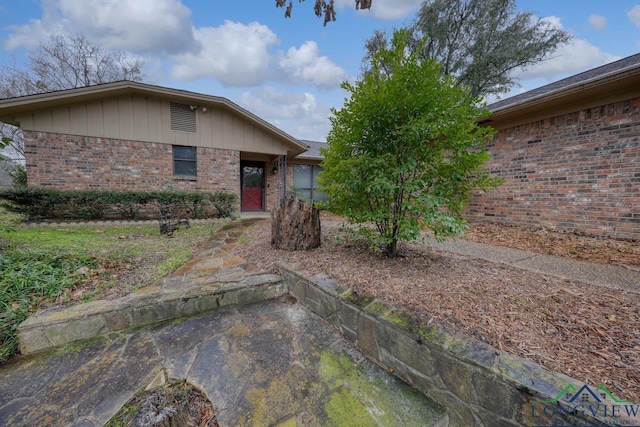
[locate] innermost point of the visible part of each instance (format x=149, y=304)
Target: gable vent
x=182, y=117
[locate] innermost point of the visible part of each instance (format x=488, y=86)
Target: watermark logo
x=583, y=403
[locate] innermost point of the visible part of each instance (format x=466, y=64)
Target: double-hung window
x=184, y=161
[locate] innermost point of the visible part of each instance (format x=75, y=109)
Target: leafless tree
x=63, y=63
x=66, y=63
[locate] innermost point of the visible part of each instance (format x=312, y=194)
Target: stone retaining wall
x=150, y=305
x=479, y=385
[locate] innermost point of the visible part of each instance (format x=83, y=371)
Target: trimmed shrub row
x=39, y=204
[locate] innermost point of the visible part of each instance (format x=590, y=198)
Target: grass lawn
x=44, y=267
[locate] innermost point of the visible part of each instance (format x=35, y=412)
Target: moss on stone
x=355, y=299
x=291, y=422
x=378, y=309
x=332, y=368
x=343, y=409
x=397, y=317
x=259, y=409
x=428, y=332
x=362, y=400
x=401, y=319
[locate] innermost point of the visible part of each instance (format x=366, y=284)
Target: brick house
x=135, y=136
x=569, y=153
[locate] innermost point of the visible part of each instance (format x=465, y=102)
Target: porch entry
x=252, y=185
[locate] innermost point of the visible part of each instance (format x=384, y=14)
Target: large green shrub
x=40, y=203
x=405, y=151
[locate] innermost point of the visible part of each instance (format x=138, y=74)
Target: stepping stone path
x=234, y=333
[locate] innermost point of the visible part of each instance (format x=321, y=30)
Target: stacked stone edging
x=151, y=305
x=213, y=278
x=479, y=385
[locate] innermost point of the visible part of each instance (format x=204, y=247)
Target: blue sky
x=287, y=71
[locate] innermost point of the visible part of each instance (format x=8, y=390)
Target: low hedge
x=39, y=204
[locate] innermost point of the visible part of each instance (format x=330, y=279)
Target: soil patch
x=177, y=404
x=586, y=332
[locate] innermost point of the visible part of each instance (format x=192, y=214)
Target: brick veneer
x=72, y=162
x=578, y=171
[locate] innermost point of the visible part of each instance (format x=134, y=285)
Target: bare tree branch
x=58, y=64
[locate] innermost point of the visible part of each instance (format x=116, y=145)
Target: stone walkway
x=262, y=363
x=265, y=364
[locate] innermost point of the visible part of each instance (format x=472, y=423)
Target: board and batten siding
x=147, y=119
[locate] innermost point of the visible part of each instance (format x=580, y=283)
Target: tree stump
x=295, y=225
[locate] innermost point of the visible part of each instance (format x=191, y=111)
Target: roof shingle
x=594, y=74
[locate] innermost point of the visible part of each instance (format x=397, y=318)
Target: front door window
x=252, y=186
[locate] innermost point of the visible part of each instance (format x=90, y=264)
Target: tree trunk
x=391, y=249
x=295, y=225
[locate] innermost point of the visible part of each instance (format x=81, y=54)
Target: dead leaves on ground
x=586, y=332
x=566, y=244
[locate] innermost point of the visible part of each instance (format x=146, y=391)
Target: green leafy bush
x=18, y=175
x=405, y=151
x=32, y=203
x=224, y=204
x=39, y=203
x=30, y=277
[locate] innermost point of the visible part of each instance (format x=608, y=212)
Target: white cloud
x=233, y=53
x=300, y=114
x=576, y=56
x=634, y=15
x=143, y=25
x=386, y=9
x=554, y=21
x=238, y=55
x=307, y=65
x=27, y=36
x=598, y=22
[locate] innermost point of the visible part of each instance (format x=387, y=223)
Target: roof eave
x=18, y=105
x=564, y=92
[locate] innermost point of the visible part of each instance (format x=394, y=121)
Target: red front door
x=252, y=178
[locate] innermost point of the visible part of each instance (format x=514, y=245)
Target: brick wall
x=275, y=185
x=73, y=162
x=272, y=183
x=578, y=171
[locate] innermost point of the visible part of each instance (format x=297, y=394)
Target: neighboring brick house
x=569, y=153
x=135, y=136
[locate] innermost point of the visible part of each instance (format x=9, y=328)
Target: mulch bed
x=586, y=332
x=573, y=245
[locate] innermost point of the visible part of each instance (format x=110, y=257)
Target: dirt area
x=589, y=333
x=177, y=404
